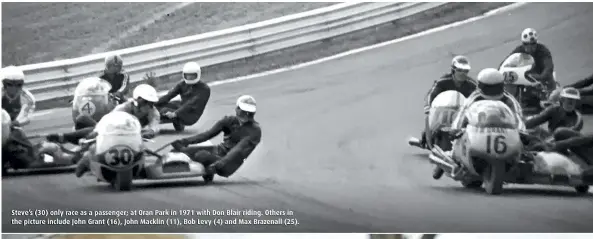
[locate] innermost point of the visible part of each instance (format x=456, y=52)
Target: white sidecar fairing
x=175, y=165
x=548, y=166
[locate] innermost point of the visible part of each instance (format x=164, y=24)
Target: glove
x=148, y=133
x=54, y=138
x=179, y=144
x=170, y=115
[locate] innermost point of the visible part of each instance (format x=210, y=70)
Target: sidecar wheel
x=582, y=189
x=494, y=178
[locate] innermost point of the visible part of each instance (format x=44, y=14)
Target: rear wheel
x=493, y=178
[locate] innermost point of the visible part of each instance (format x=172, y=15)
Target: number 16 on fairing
x=496, y=144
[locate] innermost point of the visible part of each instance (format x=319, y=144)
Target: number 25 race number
x=119, y=156
x=496, y=144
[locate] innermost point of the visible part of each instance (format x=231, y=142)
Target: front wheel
x=123, y=181
x=493, y=177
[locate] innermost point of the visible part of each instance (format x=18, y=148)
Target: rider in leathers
x=565, y=124
x=457, y=80
x=119, y=80
x=543, y=70
x=241, y=135
x=194, y=97
x=19, y=103
x=141, y=106
x=563, y=115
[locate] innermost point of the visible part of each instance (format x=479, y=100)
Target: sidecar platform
x=175, y=165
x=550, y=168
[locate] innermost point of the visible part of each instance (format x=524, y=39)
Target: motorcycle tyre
x=123, y=181
x=493, y=178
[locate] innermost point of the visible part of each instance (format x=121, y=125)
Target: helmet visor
x=190, y=76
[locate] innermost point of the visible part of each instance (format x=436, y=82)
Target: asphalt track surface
x=334, y=145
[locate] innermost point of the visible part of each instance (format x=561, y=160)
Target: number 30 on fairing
x=496, y=144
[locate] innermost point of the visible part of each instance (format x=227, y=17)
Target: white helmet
x=114, y=60
x=145, y=92
x=529, y=36
x=13, y=73
x=247, y=103
x=192, y=68
x=460, y=62
x=570, y=93
x=491, y=84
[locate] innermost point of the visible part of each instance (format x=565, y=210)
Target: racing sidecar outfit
x=194, y=97
x=543, y=69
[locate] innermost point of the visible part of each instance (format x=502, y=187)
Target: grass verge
x=446, y=14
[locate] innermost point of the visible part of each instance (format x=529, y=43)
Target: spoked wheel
x=493, y=178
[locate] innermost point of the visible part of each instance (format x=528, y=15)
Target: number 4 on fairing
x=498, y=144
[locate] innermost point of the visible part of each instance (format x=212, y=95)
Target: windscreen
x=518, y=60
